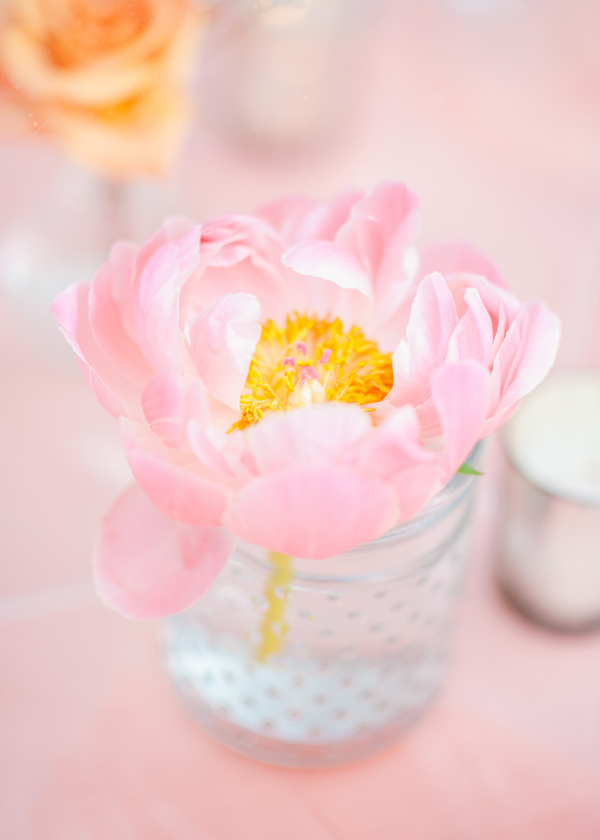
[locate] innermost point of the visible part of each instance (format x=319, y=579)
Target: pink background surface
x=496, y=125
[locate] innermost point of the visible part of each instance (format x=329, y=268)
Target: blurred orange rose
x=106, y=76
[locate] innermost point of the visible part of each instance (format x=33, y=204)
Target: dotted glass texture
x=362, y=654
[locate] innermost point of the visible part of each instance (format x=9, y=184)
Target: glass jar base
x=301, y=756
x=296, y=712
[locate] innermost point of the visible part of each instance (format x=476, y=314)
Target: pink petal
x=223, y=339
x=157, y=306
x=380, y=226
x=111, y=301
x=297, y=218
x=473, y=336
x=431, y=324
x=526, y=355
x=457, y=258
x=169, y=400
x=118, y=394
x=320, y=434
x=493, y=297
x=205, y=450
x=395, y=452
x=148, y=566
x=232, y=238
x=239, y=254
x=323, y=259
x=312, y=512
x=173, y=229
x=175, y=482
x=395, y=445
x=415, y=487
x=460, y=393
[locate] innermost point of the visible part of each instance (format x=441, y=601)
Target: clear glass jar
x=358, y=642
x=281, y=74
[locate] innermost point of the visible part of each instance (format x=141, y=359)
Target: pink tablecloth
x=504, y=153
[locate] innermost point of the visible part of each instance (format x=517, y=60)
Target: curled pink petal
x=110, y=305
x=157, y=304
x=473, y=336
x=312, y=512
x=239, y=254
x=175, y=482
x=149, y=566
x=205, y=450
x=114, y=390
x=380, y=226
x=223, y=340
x=169, y=400
x=298, y=218
x=432, y=321
x=395, y=445
x=329, y=262
x=526, y=355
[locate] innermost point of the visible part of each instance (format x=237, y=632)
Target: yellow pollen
x=312, y=360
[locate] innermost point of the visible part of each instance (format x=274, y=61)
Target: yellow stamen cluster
x=312, y=360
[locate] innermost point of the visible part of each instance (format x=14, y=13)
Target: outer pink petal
x=323, y=259
x=378, y=230
x=157, y=304
x=173, y=228
x=148, y=566
x=395, y=445
x=316, y=435
x=526, y=355
x=111, y=301
x=415, y=487
x=169, y=400
x=223, y=340
x=312, y=512
x=205, y=450
x=460, y=393
x=176, y=483
x=119, y=395
x=456, y=258
x=297, y=218
x=395, y=452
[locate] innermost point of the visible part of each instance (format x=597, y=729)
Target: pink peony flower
x=302, y=379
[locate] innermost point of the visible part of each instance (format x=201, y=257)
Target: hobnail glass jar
x=322, y=663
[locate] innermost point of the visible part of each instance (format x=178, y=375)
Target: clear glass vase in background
x=64, y=217
x=323, y=663
x=281, y=74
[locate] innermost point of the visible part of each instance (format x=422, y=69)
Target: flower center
x=310, y=361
